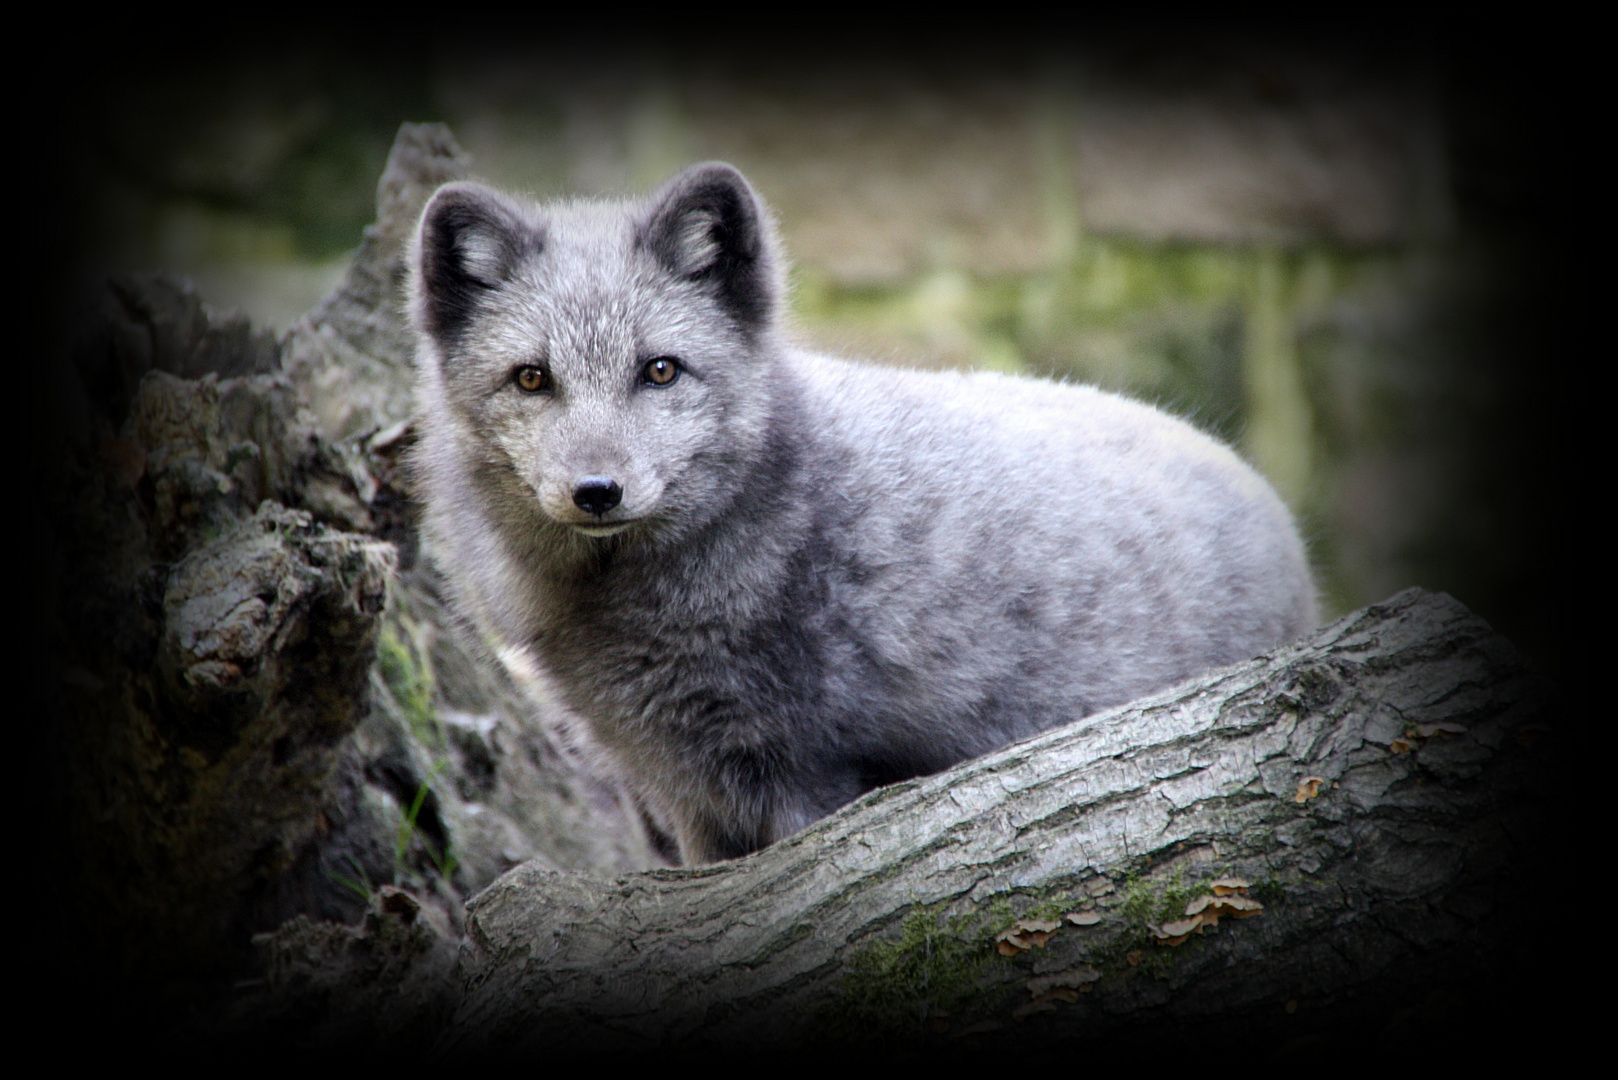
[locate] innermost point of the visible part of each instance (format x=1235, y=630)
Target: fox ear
x=469, y=241
x=707, y=225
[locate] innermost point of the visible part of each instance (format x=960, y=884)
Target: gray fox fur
x=771, y=580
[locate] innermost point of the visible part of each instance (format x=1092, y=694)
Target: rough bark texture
x=259, y=705
x=1399, y=876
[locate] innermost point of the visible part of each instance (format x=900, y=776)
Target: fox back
x=771, y=580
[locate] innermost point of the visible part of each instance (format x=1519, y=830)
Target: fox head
x=606, y=366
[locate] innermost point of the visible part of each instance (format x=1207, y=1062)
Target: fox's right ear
x=469, y=242
x=707, y=225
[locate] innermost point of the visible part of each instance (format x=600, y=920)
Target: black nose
x=597, y=494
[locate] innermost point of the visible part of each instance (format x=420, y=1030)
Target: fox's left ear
x=707, y=225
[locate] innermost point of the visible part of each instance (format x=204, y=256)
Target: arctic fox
x=771, y=580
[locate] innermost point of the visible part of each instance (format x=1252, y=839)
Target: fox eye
x=661, y=371
x=532, y=379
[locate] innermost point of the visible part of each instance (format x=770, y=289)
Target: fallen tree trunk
x=1377, y=787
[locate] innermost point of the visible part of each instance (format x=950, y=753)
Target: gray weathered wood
x=1400, y=863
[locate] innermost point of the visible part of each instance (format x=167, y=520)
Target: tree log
x=1380, y=786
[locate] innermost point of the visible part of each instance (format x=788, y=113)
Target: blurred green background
x=1332, y=256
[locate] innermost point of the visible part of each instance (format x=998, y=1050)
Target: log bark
x=1382, y=786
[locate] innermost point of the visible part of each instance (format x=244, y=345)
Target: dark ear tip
x=456, y=195
x=710, y=177
x=722, y=171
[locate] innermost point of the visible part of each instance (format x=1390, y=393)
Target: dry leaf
x=1025, y=934
x=1075, y=978
x=1223, y=905
x=1210, y=909
x=1173, y=933
x=1038, y=926
x=1011, y=942
x=1084, y=918
x=389, y=437
x=1308, y=788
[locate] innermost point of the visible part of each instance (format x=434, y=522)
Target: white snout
x=603, y=530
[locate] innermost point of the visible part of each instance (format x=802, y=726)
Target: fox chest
x=645, y=671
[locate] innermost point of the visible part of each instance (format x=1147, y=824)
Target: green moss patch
x=929, y=972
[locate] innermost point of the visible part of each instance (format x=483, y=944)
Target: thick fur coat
x=772, y=580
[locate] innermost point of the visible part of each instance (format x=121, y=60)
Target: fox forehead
x=591, y=294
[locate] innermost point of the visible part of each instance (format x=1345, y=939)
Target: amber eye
x=531, y=379
x=662, y=371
